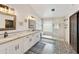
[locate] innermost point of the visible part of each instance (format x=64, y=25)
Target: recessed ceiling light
x=53, y=9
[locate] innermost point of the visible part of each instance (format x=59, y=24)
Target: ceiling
x=44, y=10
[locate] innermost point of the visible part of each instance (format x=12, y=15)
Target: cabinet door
x=11, y=48
x=15, y=47
x=29, y=44
x=26, y=44
x=38, y=37
x=18, y=46
x=34, y=38
x=3, y=49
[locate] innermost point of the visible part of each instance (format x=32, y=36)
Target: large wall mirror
x=7, y=22
x=7, y=18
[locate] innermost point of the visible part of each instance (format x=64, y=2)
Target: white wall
x=22, y=11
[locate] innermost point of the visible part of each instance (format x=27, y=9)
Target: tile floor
x=47, y=46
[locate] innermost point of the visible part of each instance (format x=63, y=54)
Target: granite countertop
x=16, y=36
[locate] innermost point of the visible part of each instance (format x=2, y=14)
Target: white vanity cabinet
x=12, y=47
x=16, y=46
x=34, y=39
x=9, y=48
x=20, y=45
x=31, y=40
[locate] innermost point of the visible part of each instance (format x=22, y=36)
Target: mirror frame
x=14, y=22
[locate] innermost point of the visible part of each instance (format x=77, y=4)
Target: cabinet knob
x=30, y=39
x=17, y=47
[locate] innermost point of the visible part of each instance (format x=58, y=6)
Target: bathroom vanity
x=19, y=43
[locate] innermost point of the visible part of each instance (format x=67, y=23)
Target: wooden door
x=78, y=33
x=73, y=31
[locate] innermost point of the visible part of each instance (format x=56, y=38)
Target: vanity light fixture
x=6, y=9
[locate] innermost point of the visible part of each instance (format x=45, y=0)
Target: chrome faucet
x=5, y=34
